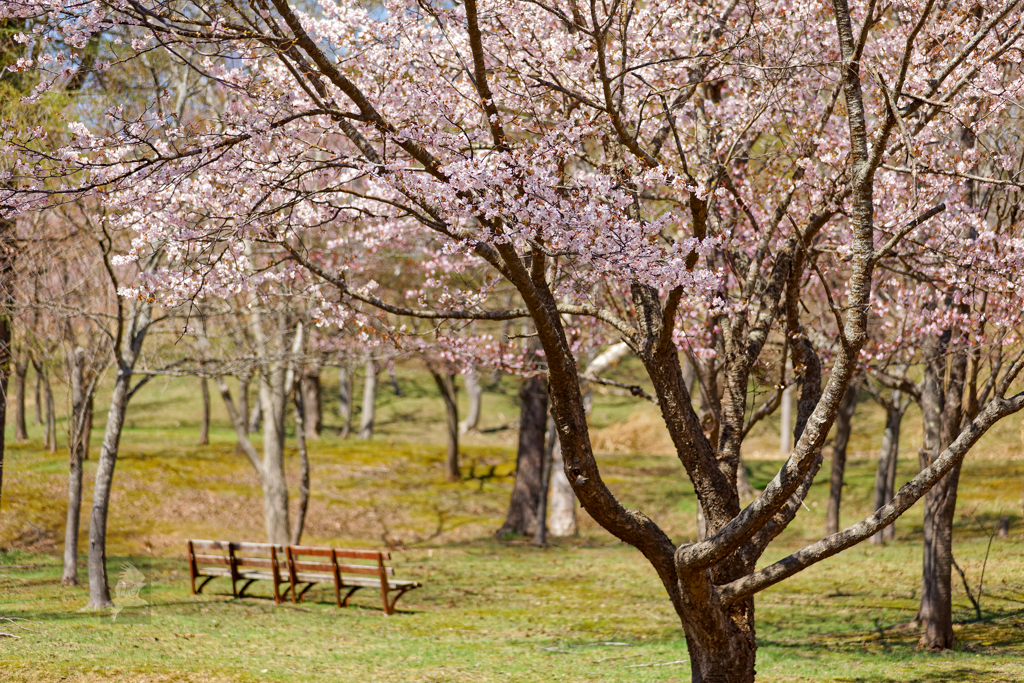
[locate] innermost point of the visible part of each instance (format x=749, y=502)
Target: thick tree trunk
x=887, y=458
x=300, y=442
x=562, y=519
x=204, y=426
x=313, y=411
x=99, y=591
x=76, y=453
x=345, y=403
x=844, y=423
x=522, y=509
x=475, y=393
x=20, y=429
x=369, y=401
x=446, y=386
x=722, y=643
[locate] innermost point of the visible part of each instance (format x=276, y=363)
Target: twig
x=678, y=661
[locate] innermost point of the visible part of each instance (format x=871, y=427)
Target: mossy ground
x=490, y=610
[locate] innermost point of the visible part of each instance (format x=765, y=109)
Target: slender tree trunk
x=562, y=520
x=844, y=423
x=87, y=429
x=397, y=390
x=20, y=429
x=243, y=400
x=76, y=452
x=533, y=420
x=255, y=418
x=275, y=487
x=369, y=401
x=345, y=402
x=300, y=442
x=204, y=427
x=99, y=591
x=541, y=537
x=475, y=393
x=941, y=407
x=37, y=415
x=887, y=457
x=51, y=417
x=446, y=386
x=311, y=389
x=8, y=252
x=786, y=420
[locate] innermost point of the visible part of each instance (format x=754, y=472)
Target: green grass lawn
x=586, y=609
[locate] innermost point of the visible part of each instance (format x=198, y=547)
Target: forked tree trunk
x=844, y=424
x=446, y=386
x=887, y=457
x=475, y=393
x=369, y=401
x=562, y=518
x=204, y=426
x=313, y=411
x=76, y=453
x=20, y=429
x=345, y=400
x=533, y=421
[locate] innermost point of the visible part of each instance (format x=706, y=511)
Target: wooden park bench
x=248, y=562
x=348, y=575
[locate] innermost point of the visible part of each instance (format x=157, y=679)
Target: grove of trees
x=806, y=199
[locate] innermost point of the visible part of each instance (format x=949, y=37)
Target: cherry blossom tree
x=684, y=177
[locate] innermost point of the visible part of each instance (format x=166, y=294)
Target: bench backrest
x=304, y=558
x=229, y=554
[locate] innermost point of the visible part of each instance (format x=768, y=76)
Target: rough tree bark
x=540, y=538
x=20, y=428
x=475, y=393
x=895, y=408
x=204, y=425
x=844, y=424
x=446, y=386
x=366, y=417
x=533, y=421
x=244, y=382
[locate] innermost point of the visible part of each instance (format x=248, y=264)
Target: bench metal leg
x=389, y=609
x=203, y=583
x=248, y=583
x=304, y=590
x=352, y=590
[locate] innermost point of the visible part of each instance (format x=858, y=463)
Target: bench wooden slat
x=213, y=559
x=363, y=554
x=257, y=547
x=210, y=545
x=312, y=566
x=214, y=571
x=310, y=550
x=361, y=569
